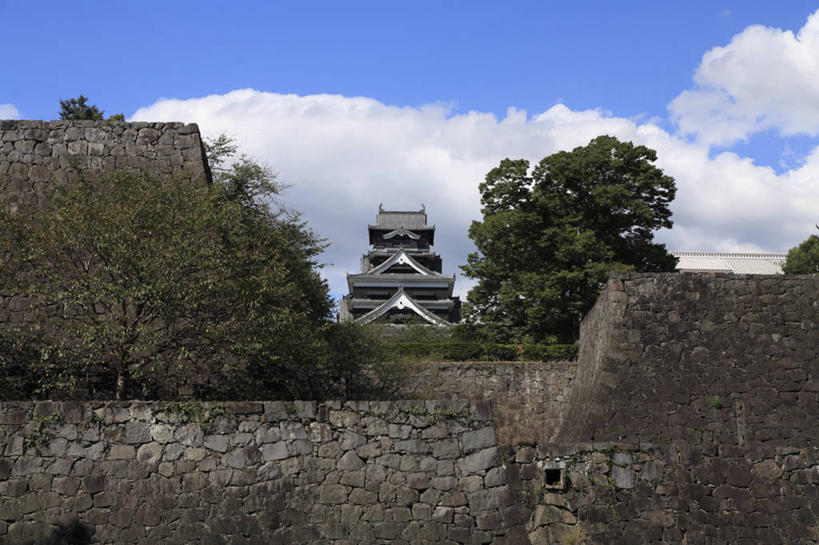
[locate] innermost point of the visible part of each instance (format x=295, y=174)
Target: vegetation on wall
x=550, y=236
x=78, y=108
x=17, y=365
x=475, y=351
x=464, y=342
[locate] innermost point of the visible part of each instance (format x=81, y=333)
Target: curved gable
x=401, y=300
x=401, y=258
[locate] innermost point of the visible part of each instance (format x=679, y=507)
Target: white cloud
x=8, y=111
x=765, y=78
x=346, y=155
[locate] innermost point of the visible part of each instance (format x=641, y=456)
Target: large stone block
x=275, y=451
x=350, y=462
x=478, y=439
x=137, y=432
x=480, y=461
x=333, y=494
x=121, y=452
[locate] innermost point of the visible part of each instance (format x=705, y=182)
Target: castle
x=690, y=417
x=401, y=277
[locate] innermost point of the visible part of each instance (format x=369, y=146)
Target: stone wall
x=297, y=473
x=651, y=494
x=705, y=389
x=669, y=348
x=375, y=473
x=35, y=155
x=591, y=377
x=690, y=417
x=528, y=399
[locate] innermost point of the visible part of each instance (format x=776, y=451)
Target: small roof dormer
x=396, y=223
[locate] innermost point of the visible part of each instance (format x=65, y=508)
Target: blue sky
x=357, y=103
x=631, y=58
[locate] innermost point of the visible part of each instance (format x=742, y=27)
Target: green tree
x=16, y=358
x=144, y=286
x=241, y=178
x=78, y=108
x=803, y=259
x=550, y=236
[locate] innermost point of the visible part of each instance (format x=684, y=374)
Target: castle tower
x=401, y=280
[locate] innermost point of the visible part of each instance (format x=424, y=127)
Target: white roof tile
x=735, y=263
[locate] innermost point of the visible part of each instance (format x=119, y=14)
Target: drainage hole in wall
x=552, y=477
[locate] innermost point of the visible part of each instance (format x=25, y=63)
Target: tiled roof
x=403, y=277
x=410, y=250
x=409, y=281
x=736, y=263
x=402, y=300
x=393, y=219
x=427, y=303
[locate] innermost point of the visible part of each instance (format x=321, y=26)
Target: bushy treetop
x=78, y=108
x=803, y=259
x=551, y=234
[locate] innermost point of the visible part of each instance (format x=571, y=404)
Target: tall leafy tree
x=550, y=236
x=150, y=287
x=803, y=259
x=143, y=281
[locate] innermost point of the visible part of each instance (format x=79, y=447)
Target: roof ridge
x=729, y=254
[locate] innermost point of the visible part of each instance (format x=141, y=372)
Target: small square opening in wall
x=553, y=478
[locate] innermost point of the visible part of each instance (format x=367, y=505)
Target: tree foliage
x=241, y=178
x=550, y=236
x=78, y=108
x=803, y=259
x=152, y=287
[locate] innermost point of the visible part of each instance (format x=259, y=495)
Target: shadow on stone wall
x=74, y=532
x=69, y=532
x=528, y=398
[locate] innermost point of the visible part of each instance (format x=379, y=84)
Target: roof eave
x=408, y=302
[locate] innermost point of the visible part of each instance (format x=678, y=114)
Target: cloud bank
x=345, y=155
x=8, y=111
x=765, y=78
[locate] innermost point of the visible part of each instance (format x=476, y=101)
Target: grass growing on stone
x=42, y=431
x=573, y=537
x=91, y=419
x=195, y=413
x=439, y=415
